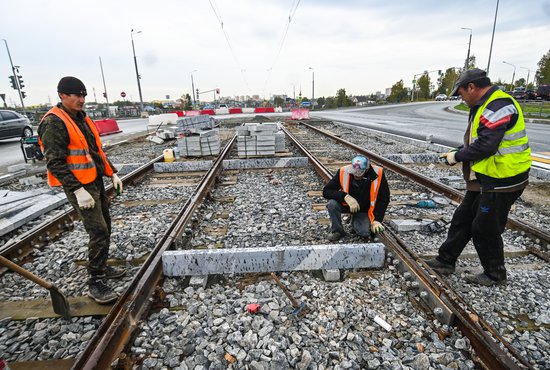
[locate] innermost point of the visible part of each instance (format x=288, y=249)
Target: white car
x=441, y=97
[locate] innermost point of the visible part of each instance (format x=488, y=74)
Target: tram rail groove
x=444, y=303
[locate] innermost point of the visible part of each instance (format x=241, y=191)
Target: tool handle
x=27, y=274
x=295, y=303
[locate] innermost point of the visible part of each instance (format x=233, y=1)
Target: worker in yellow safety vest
x=363, y=191
x=496, y=159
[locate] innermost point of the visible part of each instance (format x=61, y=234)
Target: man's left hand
x=449, y=158
x=117, y=183
x=376, y=227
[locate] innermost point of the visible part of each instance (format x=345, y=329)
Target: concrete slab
x=288, y=258
x=403, y=225
x=232, y=164
x=42, y=308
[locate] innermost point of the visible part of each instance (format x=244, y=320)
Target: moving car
x=13, y=124
x=441, y=97
x=543, y=92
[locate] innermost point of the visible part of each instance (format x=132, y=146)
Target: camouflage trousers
x=97, y=223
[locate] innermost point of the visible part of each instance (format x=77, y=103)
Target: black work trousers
x=97, y=222
x=481, y=217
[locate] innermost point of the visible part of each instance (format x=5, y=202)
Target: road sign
x=123, y=94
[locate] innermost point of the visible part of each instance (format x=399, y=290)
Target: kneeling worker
x=70, y=142
x=363, y=191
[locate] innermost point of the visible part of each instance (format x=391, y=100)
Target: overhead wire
x=291, y=14
x=220, y=21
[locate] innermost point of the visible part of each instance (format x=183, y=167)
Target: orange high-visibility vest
x=79, y=160
x=345, y=179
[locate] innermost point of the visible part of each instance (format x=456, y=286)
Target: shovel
x=59, y=302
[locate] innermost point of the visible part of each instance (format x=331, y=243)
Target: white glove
x=84, y=199
x=449, y=158
x=376, y=227
x=352, y=203
x=117, y=183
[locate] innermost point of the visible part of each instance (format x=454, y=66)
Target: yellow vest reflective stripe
x=513, y=155
x=345, y=178
x=79, y=160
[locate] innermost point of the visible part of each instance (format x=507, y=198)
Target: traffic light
x=13, y=83
x=20, y=79
x=104, y=95
x=23, y=94
x=218, y=91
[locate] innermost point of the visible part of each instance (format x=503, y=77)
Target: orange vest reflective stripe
x=79, y=160
x=345, y=178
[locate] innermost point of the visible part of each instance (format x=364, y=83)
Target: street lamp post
x=135, y=64
x=513, y=75
x=492, y=38
x=466, y=64
x=528, y=73
x=312, y=88
x=193, y=89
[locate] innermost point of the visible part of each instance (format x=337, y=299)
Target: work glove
x=117, y=183
x=449, y=157
x=376, y=227
x=84, y=199
x=352, y=203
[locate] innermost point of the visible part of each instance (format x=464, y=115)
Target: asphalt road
x=418, y=120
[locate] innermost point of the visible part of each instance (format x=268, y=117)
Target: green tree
x=543, y=72
x=331, y=102
x=398, y=92
x=278, y=101
x=472, y=62
x=448, y=80
x=342, y=100
x=187, y=103
x=321, y=101
x=423, y=86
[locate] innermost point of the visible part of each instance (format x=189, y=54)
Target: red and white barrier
x=300, y=113
x=107, y=126
x=210, y=112
x=235, y=110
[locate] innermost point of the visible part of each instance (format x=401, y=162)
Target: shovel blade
x=60, y=303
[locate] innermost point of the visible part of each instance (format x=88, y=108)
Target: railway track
x=235, y=215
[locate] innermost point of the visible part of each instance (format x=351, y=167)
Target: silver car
x=13, y=124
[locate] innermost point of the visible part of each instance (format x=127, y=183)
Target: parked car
x=13, y=124
x=519, y=93
x=543, y=92
x=441, y=97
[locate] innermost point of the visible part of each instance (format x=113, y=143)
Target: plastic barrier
x=222, y=111
x=235, y=110
x=248, y=110
x=270, y=110
x=180, y=113
x=107, y=126
x=300, y=113
x=208, y=111
x=191, y=113
x=259, y=110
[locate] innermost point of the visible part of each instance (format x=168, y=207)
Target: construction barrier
x=235, y=110
x=210, y=112
x=191, y=113
x=300, y=113
x=107, y=126
x=180, y=113
x=259, y=110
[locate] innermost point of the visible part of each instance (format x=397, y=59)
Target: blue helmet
x=360, y=164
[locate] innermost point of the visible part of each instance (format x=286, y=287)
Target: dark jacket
x=360, y=190
x=54, y=136
x=490, y=135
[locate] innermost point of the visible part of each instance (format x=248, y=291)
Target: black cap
x=71, y=85
x=466, y=77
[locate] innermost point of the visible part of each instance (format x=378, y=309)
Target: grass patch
x=532, y=110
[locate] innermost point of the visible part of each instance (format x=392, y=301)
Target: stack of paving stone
x=194, y=124
x=201, y=143
x=257, y=139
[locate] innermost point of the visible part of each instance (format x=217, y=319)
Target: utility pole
x=193, y=89
x=312, y=88
x=135, y=64
x=492, y=38
x=105, y=89
x=466, y=64
x=15, y=70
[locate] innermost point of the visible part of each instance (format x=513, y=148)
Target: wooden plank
x=42, y=308
x=289, y=258
x=64, y=364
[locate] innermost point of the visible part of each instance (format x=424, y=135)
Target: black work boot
x=440, y=267
x=336, y=235
x=100, y=292
x=112, y=272
x=483, y=279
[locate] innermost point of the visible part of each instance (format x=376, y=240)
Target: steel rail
x=534, y=233
x=125, y=316
x=445, y=304
x=49, y=230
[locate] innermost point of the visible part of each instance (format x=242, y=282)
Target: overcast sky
x=362, y=46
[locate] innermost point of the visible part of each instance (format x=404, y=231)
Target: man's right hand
x=84, y=199
x=352, y=203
